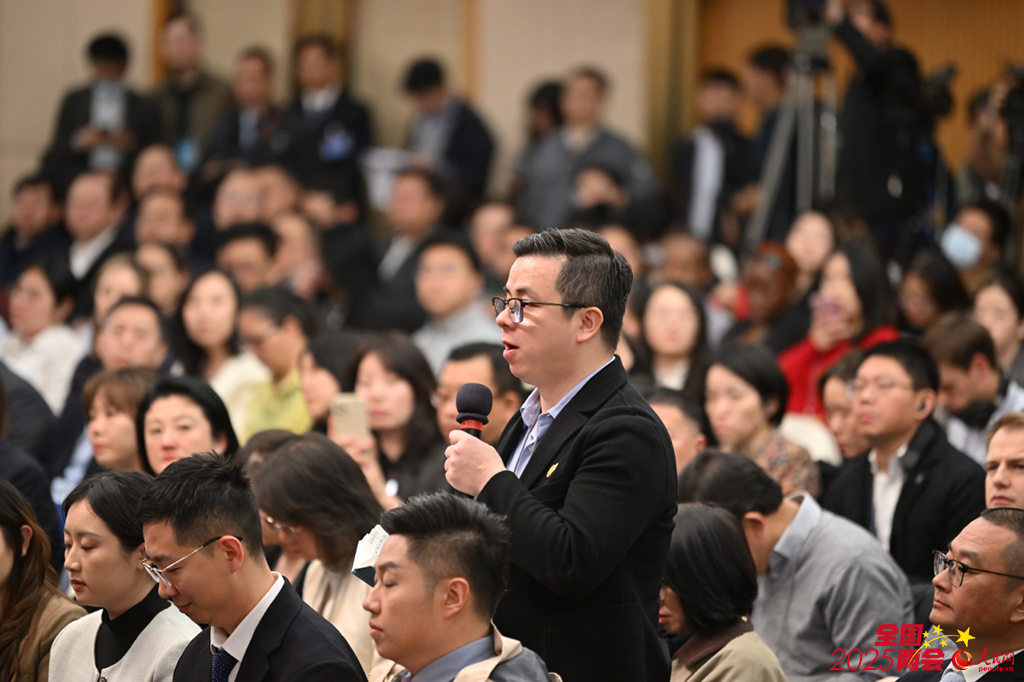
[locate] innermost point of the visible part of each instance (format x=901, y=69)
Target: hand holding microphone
x=470, y=461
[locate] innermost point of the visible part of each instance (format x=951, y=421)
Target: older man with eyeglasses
x=979, y=599
x=203, y=545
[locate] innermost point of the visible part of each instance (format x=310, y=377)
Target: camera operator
x=882, y=124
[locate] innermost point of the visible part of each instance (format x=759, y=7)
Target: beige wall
x=42, y=54
x=387, y=36
x=527, y=41
x=230, y=26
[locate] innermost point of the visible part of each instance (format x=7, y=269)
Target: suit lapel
x=510, y=437
x=269, y=634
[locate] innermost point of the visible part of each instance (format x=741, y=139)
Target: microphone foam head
x=473, y=401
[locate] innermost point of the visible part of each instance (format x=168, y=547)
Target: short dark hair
x=880, y=12
x=502, y=376
x=547, y=96
x=593, y=73
x=57, y=271
x=998, y=218
x=913, y=357
x=451, y=536
x=720, y=76
x=334, y=351
x=1009, y=283
x=955, y=338
x=140, y=302
x=114, y=497
x=456, y=240
x=276, y=304
x=758, y=367
x=605, y=169
x=1011, y=519
x=941, y=279
x=843, y=369
x=260, y=447
x=37, y=180
x=261, y=54
x=318, y=40
x=200, y=393
x=431, y=180
x=261, y=232
x=710, y=568
x=773, y=59
x=423, y=74
x=732, y=481
x=108, y=47
x=593, y=273
x=312, y=482
x=118, y=188
x=204, y=496
x=667, y=396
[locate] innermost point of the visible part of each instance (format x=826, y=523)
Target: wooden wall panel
x=980, y=37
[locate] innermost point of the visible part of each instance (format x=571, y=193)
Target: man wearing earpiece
x=912, y=489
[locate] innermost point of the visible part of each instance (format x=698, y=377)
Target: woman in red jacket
x=852, y=308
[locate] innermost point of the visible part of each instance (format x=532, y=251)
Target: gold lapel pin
x=552, y=470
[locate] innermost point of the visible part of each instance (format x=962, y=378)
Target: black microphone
x=473, y=402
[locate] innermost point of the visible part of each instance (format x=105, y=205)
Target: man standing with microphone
x=585, y=474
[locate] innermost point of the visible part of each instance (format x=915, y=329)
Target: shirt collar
x=530, y=410
x=897, y=460
x=238, y=641
x=793, y=538
x=446, y=668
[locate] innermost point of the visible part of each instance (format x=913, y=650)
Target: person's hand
x=828, y=325
x=122, y=138
x=88, y=138
x=835, y=12
x=362, y=450
x=471, y=463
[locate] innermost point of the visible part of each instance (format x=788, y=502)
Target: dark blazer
x=391, y=304
x=737, y=152
x=291, y=642
x=62, y=162
x=84, y=287
x=225, y=146
x=27, y=475
x=943, y=491
x=29, y=418
x=326, y=144
x=591, y=520
x=469, y=153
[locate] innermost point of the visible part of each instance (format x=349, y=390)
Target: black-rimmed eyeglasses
x=516, y=305
x=157, y=574
x=957, y=569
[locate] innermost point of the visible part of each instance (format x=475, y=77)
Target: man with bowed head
x=584, y=473
x=204, y=548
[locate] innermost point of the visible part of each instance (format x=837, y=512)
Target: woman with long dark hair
x=206, y=342
x=709, y=588
x=852, y=307
x=134, y=634
x=404, y=456
x=317, y=499
x=674, y=346
x=32, y=609
x=180, y=417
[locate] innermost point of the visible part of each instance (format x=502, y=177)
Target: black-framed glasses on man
x=516, y=305
x=957, y=569
x=158, y=574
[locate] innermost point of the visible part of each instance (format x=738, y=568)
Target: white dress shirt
x=885, y=493
x=237, y=642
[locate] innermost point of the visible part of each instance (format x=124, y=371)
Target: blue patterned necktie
x=223, y=662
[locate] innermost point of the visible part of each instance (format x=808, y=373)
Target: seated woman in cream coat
x=317, y=499
x=135, y=634
x=709, y=587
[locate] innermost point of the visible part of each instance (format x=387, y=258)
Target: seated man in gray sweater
x=824, y=583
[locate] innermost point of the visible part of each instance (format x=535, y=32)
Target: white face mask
x=960, y=246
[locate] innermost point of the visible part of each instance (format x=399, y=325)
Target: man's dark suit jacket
x=85, y=287
x=225, y=145
x=469, y=153
x=291, y=642
x=943, y=491
x=737, y=151
x=63, y=162
x=308, y=143
x=29, y=418
x=591, y=520
x=27, y=475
